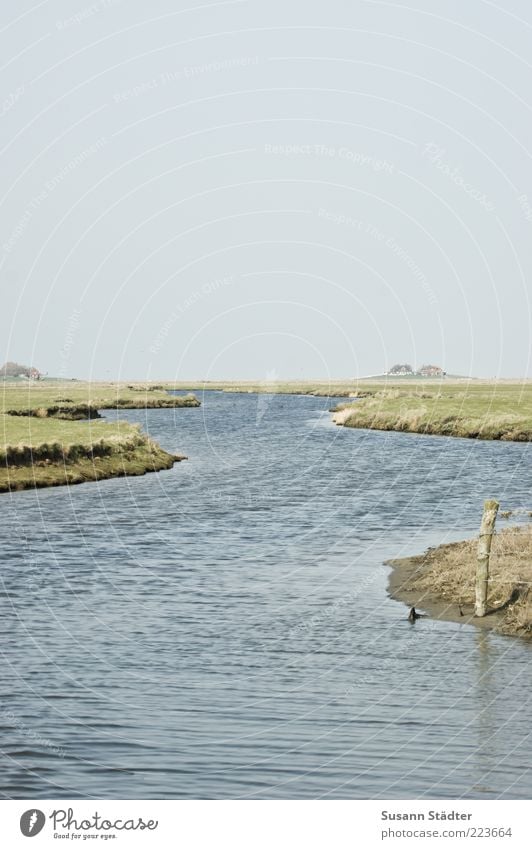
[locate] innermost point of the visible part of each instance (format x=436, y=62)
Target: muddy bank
x=24, y=467
x=441, y=583
x=67, y=412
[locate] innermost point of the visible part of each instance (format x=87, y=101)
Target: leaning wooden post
x=487, y=528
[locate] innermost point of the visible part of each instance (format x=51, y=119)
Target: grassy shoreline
x=442, y=582
x=471, y=410
x=51, y=436
x=335, y=388
x=451, y=406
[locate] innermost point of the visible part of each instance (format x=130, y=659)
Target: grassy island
x=52, y=432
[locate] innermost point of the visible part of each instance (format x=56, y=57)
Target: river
x=223, y=630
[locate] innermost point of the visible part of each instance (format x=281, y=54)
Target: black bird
x=412, y=616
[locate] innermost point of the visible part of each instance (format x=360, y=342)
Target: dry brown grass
x=448, y=572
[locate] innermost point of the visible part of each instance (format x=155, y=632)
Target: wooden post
x=487, y=528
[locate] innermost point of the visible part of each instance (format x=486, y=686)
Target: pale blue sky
x=246, y=189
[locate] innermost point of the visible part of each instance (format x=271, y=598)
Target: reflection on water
x=223, y=630
x=486, y=728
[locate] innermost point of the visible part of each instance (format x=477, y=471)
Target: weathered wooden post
x=487, y=528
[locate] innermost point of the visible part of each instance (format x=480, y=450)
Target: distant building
x=402, y=369
x=431, y=371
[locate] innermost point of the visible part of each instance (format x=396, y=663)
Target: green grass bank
x=442, y=582
x=469, y=409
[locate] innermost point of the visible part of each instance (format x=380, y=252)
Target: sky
x=256, y=190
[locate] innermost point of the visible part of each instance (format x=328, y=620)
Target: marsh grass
x=449, y=571
x=50, y=393
x=473, y=411
x=70, y=412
